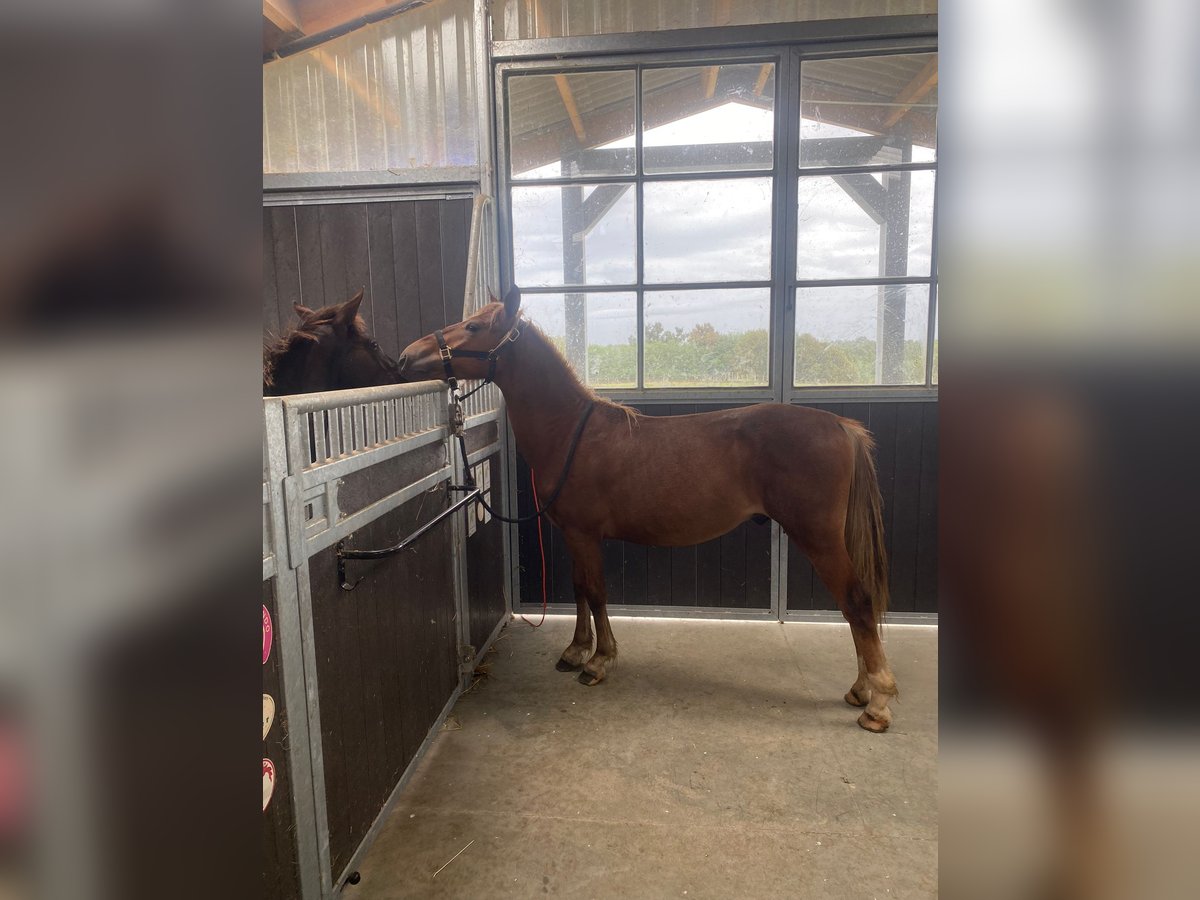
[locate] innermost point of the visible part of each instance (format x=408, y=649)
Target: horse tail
x=864, y=522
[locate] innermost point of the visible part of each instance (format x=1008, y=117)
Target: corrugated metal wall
x=399, y=94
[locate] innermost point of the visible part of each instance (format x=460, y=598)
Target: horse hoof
x=854, y=700
x=870, y=723
x=589, y=679
x=563, y=666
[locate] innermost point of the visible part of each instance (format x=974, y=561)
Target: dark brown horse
x=329, y=350
x=680, y=480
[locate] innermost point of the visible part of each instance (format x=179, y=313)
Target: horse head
x=471, y=350
x=329, y=350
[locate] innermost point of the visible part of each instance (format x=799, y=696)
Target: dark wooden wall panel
x=281, y=874
x=906, y=458
x=409, y=256
x=734, y=571
x=386, y=664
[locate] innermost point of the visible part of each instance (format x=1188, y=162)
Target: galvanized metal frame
x=659, y=611
x=312, y=863
x=292, y=480
x=788, y=46
x=833, y=617
x=330, y=195
x=842, y=36
x=382, y=178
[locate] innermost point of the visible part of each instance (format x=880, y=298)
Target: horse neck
x=543, y=397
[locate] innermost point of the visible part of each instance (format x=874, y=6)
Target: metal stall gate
x=360, y=680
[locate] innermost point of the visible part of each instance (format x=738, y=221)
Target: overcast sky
x=710, y=231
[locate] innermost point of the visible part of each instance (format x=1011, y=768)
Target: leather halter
x=447, y=354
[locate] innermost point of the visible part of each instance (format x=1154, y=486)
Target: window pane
x=869, y=110
x=581, y=234
x=596, y=332
x=708, y=119
x=708, y=230
x=708, y=338
x=865, y=225
x=571, y=125
x=871, y=334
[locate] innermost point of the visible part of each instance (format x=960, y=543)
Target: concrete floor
x=717, y=760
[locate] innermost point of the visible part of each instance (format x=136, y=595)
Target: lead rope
x=457, y=422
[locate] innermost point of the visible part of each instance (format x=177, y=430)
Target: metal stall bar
x=313, y=865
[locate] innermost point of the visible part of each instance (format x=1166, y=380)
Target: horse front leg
x=580, y=647
x=588, y=574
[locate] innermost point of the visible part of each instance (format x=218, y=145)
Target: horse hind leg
x=875, y=685
x=860, y=692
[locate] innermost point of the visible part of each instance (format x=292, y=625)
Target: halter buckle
x=444, y=352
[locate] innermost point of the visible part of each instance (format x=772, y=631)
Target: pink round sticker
x=267, y=634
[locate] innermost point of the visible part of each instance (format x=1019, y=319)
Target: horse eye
x=471, y=327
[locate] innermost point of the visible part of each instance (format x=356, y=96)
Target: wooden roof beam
x=721, y=16
x=764, y=74
x=913, y=92
x=284, y=15
x=568, y=99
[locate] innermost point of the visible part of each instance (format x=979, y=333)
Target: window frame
x=576, y=55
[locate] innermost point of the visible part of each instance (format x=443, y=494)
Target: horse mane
x=631, y=414
x=276, y=349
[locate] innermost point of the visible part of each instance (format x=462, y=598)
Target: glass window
x=861, y=334
x=701, y=231
x=597, y=333
x=870, y=110
x=570, y=125
x=577, y=234
x=864, y=225
x=674, y=211
x=708, y=338
x=709, y=118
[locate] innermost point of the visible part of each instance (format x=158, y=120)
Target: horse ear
x=302, y=311
x=348, y=310
x=512, y=302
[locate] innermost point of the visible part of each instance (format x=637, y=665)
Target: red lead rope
x=541, y=549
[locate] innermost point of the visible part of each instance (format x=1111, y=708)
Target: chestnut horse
x=679, y=480
x=329, y=350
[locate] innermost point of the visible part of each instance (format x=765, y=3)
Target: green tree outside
x=705, y=357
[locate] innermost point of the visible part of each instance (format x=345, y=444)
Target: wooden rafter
x=568, y=99
x=283, y=14
x=913, y=92
x=760, y=83
x=721, y=16
x=560, y=81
